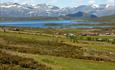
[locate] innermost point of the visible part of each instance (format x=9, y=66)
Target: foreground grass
x=60, y=63
x=14, y=62
x=57, y=51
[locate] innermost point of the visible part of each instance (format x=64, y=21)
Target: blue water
x=41, y=24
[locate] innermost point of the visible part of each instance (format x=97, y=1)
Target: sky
x=62, y=3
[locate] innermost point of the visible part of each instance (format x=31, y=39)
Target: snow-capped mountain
x=104, y=10
x=25, y=10
x=99, y=10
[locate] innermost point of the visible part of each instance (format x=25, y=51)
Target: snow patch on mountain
x=25, y=10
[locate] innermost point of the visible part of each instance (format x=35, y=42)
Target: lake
x=51, y=24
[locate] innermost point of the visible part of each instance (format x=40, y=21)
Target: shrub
x=11, y=62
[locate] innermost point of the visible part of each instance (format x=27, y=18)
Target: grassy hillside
x=57, y=52
x=104, y=19
x=108, y=17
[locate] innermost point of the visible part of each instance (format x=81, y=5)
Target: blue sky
x=62, y=3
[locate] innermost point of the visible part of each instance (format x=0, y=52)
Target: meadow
x=54, y=49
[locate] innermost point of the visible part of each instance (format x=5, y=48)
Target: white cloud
x=29, y=2
x=91, y=2
x=52, y=1
x=111, y=2
x=33, y=2
x=77, y=1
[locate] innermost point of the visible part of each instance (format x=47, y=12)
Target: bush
x=11, y=62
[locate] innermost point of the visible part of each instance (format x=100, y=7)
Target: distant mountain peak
x=94, y=6
x=10, y=3
x=82, y=15
x=28, y=10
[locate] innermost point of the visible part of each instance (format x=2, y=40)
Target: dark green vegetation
x=12, y=62
x=105, y=21
x=32, y=18
x=47, y=48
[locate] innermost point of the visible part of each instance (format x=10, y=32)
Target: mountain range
x=82, y=15
x=25, y=10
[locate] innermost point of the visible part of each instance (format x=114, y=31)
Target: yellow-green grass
x=25, y=40
x=96, y=45
x=107, y=37
x=60, y=63
x=14, y=37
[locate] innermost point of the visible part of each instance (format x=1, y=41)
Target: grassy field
x=49, y=51
x=60, y=63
